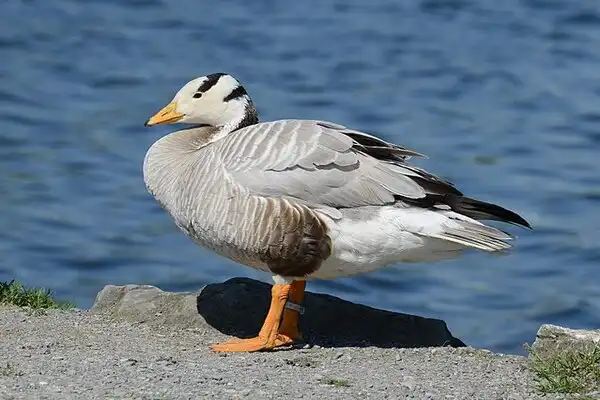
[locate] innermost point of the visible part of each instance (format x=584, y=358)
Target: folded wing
x=325, y=164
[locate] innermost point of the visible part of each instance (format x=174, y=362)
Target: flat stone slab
x=238, y=307
x=551, y=339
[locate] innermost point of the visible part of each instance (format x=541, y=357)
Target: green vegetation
x=335, y=382
x=569, y=371
x=13, y=293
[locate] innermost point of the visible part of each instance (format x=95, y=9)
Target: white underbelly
x=390, y=235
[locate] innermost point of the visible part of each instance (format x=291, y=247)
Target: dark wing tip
x=516, y=219
x=478, y=209
x=524, y=223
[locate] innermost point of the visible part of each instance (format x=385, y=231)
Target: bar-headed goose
x=302, y=199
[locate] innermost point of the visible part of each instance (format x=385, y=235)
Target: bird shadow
x=238, y=307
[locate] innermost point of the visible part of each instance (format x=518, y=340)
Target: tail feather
x=473, y=234
x=482, y=243
x=463, y=226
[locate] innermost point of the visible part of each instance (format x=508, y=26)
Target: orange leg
x=274, y=332
x=288, y=331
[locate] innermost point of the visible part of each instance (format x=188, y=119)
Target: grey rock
x=238, y=307
x=144, y=303
x=551, y=339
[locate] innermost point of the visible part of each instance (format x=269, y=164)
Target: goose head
x=217, y=100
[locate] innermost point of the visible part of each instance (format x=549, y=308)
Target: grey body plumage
x=278, y=195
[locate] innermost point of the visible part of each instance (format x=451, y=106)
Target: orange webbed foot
x=253, y=344
x=245, y=345
x=281, y=324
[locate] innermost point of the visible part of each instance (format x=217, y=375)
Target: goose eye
x=197, y=95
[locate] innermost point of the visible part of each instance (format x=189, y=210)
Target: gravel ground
x=82, y=355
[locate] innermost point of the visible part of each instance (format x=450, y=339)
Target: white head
x=217, y=99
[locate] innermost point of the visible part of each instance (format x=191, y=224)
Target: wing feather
x=316, y=162
x=328, y=166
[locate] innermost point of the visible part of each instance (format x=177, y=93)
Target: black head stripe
x=211, y=80
x=235, y=93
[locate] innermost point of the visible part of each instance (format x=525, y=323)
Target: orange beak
x=168, y=115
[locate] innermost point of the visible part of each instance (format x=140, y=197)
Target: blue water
x=504, y=98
